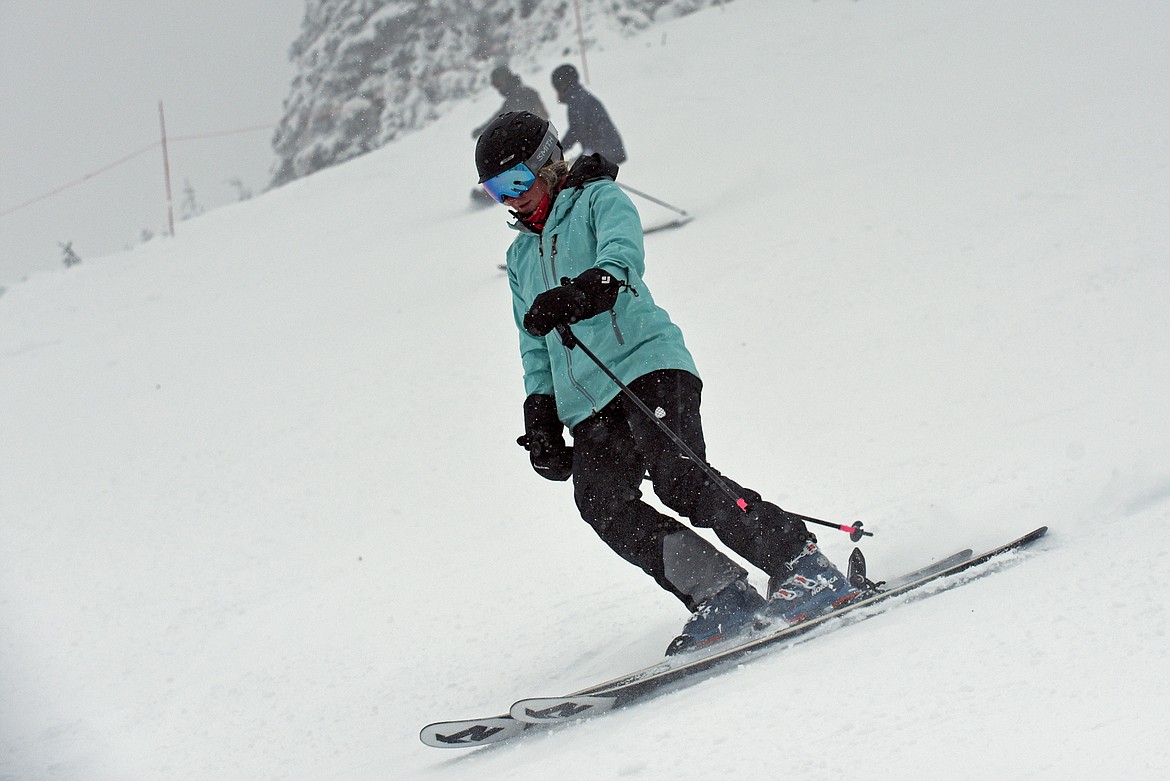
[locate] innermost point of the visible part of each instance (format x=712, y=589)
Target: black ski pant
x=617, y=446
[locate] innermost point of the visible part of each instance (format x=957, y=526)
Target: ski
x=624, y=690
x=471, y=732
x=494, y=729
x=929, y=569
x=599, y=699
x=664, y=226
x=617, y=692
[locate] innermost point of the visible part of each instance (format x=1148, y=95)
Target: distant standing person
x=589, y=122
x=518, y=96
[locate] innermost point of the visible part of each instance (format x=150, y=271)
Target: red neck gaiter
x=539, y=216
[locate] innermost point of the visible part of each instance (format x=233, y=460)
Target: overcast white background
x=262, y=513
x=80, y=84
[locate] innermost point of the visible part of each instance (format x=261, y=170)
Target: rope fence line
x=252, y=129
x=160, y=143
x=222, y=133
x=127, y=158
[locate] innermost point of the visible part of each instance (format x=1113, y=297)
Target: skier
x=577, y=224
x=518, y=96
x=589, y=122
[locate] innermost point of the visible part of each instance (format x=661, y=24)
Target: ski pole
x=570, y=340
x=651, y=198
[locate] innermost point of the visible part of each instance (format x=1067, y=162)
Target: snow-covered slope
x=262, y=516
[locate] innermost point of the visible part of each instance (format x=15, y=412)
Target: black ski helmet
x=513, y=138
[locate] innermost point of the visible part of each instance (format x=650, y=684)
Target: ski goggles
x=519, y=178
x=511, y=183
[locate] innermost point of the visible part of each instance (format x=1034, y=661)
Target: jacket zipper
x=552, y=261
x=616, y=330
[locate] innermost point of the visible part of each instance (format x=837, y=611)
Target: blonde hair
x=552, y=174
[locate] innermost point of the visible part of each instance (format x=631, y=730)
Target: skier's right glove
x=590, y=294
x=544, y=439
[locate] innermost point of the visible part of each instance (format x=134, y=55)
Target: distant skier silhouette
x=589, y=122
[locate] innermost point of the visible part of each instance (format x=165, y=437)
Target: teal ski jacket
x=593, y=225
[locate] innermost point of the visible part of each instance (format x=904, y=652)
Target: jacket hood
x=589, y=169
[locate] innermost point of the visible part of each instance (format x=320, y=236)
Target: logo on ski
x=565, y=710
x=476, y=734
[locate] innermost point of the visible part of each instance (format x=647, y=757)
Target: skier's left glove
x=588, y=295
x=544, y=440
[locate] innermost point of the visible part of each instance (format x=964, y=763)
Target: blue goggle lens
x=511, y=183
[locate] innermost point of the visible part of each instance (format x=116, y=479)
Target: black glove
x=588, y=295
x=543, y=439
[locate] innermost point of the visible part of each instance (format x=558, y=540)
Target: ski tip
x=470, y=733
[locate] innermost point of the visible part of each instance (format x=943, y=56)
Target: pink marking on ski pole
x=742, y=504
x=847, y=529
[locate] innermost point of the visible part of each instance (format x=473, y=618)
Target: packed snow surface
x=262, y=514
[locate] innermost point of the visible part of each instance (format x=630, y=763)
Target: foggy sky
x=80, y=84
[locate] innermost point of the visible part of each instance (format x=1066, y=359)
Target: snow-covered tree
x=370, y=70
